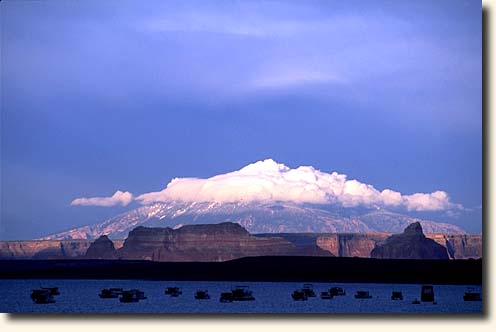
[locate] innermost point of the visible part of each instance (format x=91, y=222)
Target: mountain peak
x=411, y=244
x=255, y=218
x=414, y=229
x=102, y=248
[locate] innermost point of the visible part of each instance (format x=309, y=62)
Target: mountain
x=205, y=243
x=256, y=218
x=102, y=248
x=411, y=244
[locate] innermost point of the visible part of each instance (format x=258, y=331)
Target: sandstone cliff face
x=351, y=245
x=458, y=246
x=102, y=248
x=464, y=246
x=218, y=242
x=411, y=244
x=43, y=249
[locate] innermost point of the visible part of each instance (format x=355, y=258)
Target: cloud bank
x=270, y=181
x=119, y=197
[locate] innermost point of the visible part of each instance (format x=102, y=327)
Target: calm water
x=81, y=296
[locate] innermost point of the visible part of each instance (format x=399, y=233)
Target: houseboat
x=128, y=296
x=139, y=294
x=337, y=291
x=202, y=295
x=110, y=293
x=299, y=295
x=133, y=295
x=427, y=293
x=395, y=296
x=42, y=296
x=173, y=291
x=53, y=290
x=242, y=293
x=226, y=297
x=363, y=295
x=308, y=289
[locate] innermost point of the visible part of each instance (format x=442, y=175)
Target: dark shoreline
x=267, y=268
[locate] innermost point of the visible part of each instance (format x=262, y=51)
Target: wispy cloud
x=293, y=77
x=118, y=198
x=231, y=22
x=291, y=44
x=263, y=19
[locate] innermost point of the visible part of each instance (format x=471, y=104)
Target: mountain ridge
x=255, y=217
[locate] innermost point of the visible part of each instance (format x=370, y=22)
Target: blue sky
x=105, y=95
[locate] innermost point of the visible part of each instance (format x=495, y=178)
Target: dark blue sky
x=104, y=95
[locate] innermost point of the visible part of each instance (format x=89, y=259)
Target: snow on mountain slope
x=255, y=217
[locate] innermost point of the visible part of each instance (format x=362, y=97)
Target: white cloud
x=270, y=181
x=119, y=197
x=437, y=200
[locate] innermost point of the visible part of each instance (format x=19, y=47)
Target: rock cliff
x=183, y=241
x=462, y=246
x=218, y=242
x=46, y=249
x=43, y=249
x=351, y=245
x=102, y=248
x=459, y=246
x=411, y=244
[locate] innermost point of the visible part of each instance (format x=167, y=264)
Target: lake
x=81, y=296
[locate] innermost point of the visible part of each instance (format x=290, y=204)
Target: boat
x=242, y=293
x=395, y=295
x=133, y=295
x=53, y=290
x=175, y=294
x=326, y=295
x=238, y=293
x=42, y=296
x=139, y=294
x=226, y=297
x=362, y=295
x=202, y=295
x=308, y=289
x=128, y=296
x=173, y=291
x=110, y=293
x=472, y=296
x=299, y=295
x=427, y=293
x=416, y=301
x=337, y=291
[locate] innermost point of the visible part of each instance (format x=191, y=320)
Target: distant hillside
x=256, y=218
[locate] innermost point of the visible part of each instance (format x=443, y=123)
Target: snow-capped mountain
x=256, y=218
